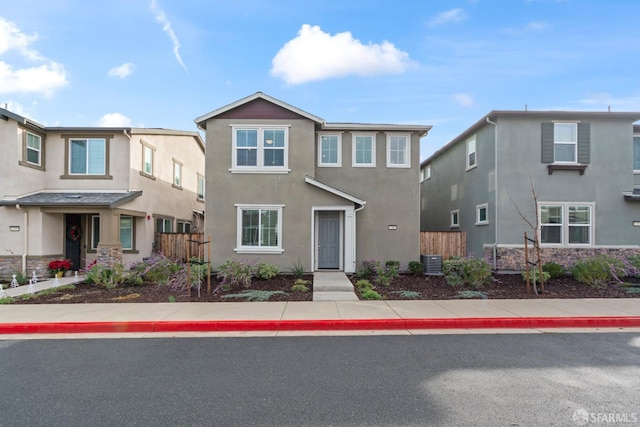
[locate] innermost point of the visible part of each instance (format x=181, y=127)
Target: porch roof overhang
x=46, y=199
x=333, y=190
x=632, y=196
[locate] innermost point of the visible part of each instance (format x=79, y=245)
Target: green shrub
x=393, y=264
x=255, y=295
x=408, y=294
x=297, y=269
x=370, y=294
x=113, y=277
x=156, y=269
x=21, y=278
x=367, y=269
x=597, y=271
x=416, y=268
x=363, y=284
x=300, y=285
x=469, y=271
x=233, y=272
x=471, y=295
x=265, y=271
x=386, y=275
x=634, y=262
x=554, y=270
x=534, y=276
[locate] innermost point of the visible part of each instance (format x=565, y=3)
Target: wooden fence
x=445, y=243
x=174, y=245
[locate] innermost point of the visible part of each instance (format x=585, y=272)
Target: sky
x=162, y=63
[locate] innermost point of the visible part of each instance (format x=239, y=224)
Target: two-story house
x=573, y=173
x=92, y=192
x=288, y=187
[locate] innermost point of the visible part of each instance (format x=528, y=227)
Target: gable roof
x=6, y=114
x=557, y=114
x=332, y=190
x=258, y=95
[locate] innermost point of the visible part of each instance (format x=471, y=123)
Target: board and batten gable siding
x=584, y=142
x=259, y=109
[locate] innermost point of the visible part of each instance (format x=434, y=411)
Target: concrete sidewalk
x=319, y=316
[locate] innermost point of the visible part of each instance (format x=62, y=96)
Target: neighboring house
x=584, y=167
x=286, y=187
x=93, y=193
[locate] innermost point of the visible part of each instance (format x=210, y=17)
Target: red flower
x=59, y=265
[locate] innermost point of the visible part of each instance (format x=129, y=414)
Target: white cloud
x=15, y=107
x=161, y=17
x=455, y=16
x=464, y=99
x=537, y=26
x=123, y=70
x=316, y=55
x=43, y=79
x=115, y=120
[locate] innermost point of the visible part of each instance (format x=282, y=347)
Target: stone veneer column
x=109, y=250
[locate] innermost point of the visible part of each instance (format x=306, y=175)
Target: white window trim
x=177, y=167
x=152, y=150
x=425, y=173
x=407, y=163
x=455, y=212
x=260, y=154
x=200, y=179
x=339, y=148
x=39, y=150
x=564, y=235
x=635, y=171
x=354, y=135
x=575, y=144
x=484, y=206
x=252, y=249
x=468, y=153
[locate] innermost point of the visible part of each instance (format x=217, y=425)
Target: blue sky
x=162, y=63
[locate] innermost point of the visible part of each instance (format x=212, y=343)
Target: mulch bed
x=505, y=286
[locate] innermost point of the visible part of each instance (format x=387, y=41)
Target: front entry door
x=73, y=239
x=329, y=240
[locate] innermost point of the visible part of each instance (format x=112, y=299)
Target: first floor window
x=126, y=232
x=260, y=228
x=398, y=151
x=481, y=214
x=184, y=227
x=455, y=218
x=164, y=225
x=566, y=224
x=88, y=156
x=95, y=231
x=34, y=149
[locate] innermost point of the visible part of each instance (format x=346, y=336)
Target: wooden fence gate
x=445, y=243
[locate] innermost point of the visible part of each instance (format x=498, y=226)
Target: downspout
x=355, y=240
x=495, y=192
x=26, y=239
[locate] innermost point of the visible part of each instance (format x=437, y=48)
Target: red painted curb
x=319, y=325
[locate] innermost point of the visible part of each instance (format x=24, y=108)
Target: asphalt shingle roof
x=110, y=200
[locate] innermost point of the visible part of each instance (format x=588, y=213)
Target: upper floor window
x=398, y=151
x=363, y=150
x=636, y=153
x=481, y=214
x=260, y=148
x=201, y=182
x=147, y=159
x=88, y=156
x=472, y=160
x=177, y=174
x=566, y=223
x=455, y=219
x=329, y=150
x=565, y=142
x=425, y=173
x=34, y=149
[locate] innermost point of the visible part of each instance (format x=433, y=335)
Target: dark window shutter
x=584, y=143
x=547, y=142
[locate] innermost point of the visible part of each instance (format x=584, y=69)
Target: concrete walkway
x=332, y=286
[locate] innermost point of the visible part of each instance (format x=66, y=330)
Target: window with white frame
x=177, y=174
x=425, y=173
x=472, y=160
x=259, y=228
x=482, y=217
x=565, y=142
x=126, y=232
x=636, y=154
x=260, y=148
x=147, y=160
x=329, y=150
x=201, y=182
x=87, y=156
x=363, y=152
x=183, y=226
x=95, y=231
x=566, y=223
x=164, y=225
x=455, y=218
x=398, y=151
x=34, y=149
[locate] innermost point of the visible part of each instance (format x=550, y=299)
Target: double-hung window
x=398, y=151
x=34, y=149
x=95, y=231
x=126, y=232
x=565, y=142
x=425, y=173
x=566, y=223
x=363, y=151
x=177, y=174
x=259, y=228
x=88, y=156
x=472, y=160
x=636, y=154
x=329, y=150
x=201, y=183
x=147, y=160
x=260, y=149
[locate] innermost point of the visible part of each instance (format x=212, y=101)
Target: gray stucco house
x=284, y=186
x=584, y=167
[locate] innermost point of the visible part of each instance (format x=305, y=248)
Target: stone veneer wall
x=109, y=255
x=512, y=258
x=12, y=264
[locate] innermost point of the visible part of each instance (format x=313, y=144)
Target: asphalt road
x=444, y=380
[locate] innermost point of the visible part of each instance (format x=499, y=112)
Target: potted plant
x=58, y=267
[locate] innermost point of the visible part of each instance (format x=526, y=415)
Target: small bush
x=534, y=276
x=386, y=275
x=110, y=278
x=469, y=271
x=416, y=268
x=370, y=294
x=367, y=269
x=233, y=273
x=21, y=278
x=297, y=269
x=393, y=264
x=300, y=285
x=265, y=271
x=597, y=271
x=255, y=295
x=363, y=284
x=408, y=294
x=634, y=262
x=156, y=269
x=554, y=270
x=471, y=295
